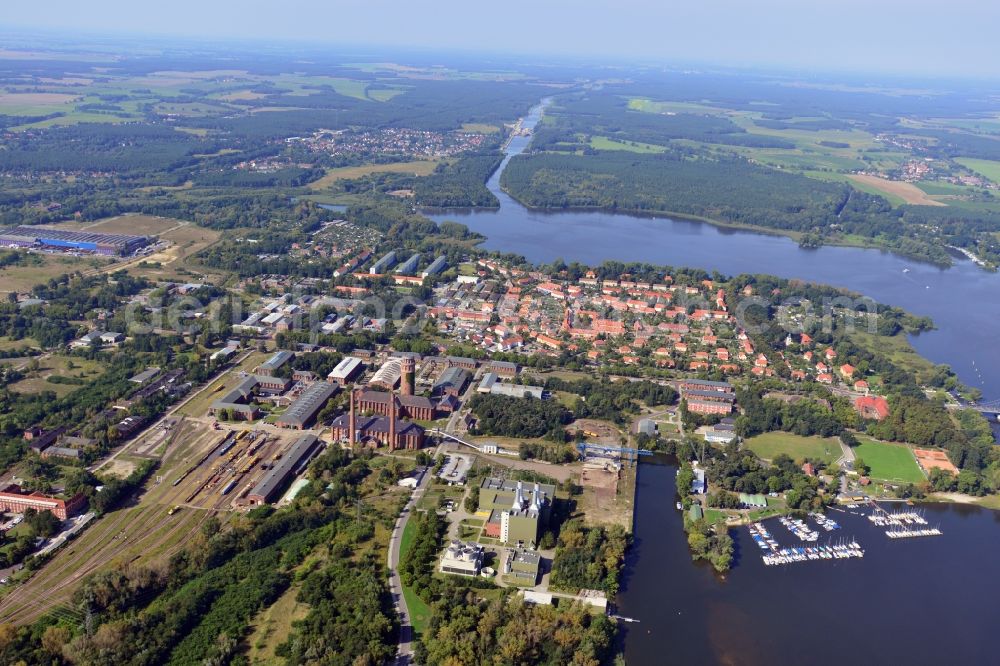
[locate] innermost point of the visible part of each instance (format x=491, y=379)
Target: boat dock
x=774, y=554
x=902, y=524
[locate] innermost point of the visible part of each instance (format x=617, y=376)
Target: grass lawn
x=40, y=267
x=899, y=350
x=771, y=444
x=890, y=462
x=715, y=515
x=75, y=368
x=420, y=612
x=7, y=344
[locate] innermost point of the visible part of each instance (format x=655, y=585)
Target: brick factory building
x=14, y=500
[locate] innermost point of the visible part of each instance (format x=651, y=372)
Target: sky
x=916, y=37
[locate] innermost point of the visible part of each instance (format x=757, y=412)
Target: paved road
x=404, y=654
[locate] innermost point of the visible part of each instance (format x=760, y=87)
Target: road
x=404, y=654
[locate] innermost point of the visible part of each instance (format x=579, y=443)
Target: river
x=930, y=600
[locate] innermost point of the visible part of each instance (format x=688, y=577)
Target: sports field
x=771, y=444
x=889, y=462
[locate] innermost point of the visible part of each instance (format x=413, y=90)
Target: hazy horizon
x=889, y=37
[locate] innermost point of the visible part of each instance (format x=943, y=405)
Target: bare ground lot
x=23, y=278
x=186, y=239
x=601, y=505
x=908, y=192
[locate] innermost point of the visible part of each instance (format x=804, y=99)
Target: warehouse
x=275, y=363
x=302, y=412
x=237, y=402
x=451, y=382
x=291, y=464
x=345, y=371
x=112, y=245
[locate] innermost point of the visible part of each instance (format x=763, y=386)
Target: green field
x=604, y=143
x=889, y=462
x=899, y=351
x=986, y=168
x=76, y=368
x=771, y=444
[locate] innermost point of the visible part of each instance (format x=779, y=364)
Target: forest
x=506, y=630
x=753, y=195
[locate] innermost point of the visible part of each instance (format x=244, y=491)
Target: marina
x=901, y=524
x=751, y=615
x=774, y=554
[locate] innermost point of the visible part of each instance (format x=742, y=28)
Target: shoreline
x=795, y=236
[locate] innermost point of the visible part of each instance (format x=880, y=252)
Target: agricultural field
x=771, y=444
x=889, y=462
x=908, y=192
x=417, y=168
x=989, y=169
x=604, y=143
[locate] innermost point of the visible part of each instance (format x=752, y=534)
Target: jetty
x=774, y=554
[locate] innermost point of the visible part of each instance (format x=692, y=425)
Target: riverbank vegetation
x=467, y=630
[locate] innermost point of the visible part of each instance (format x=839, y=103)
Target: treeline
x=728, y=189
x=125, y=148
x=612, y=401
x=803, y=417
x=416, y=567
x=528, y=417
x=609, y=115
x=459, y=184
x=589, y=557
x=289, y=177
x=741, y=471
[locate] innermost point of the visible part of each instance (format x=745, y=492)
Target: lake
x=918, y=601
x=931, y=600
x=963, y=301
